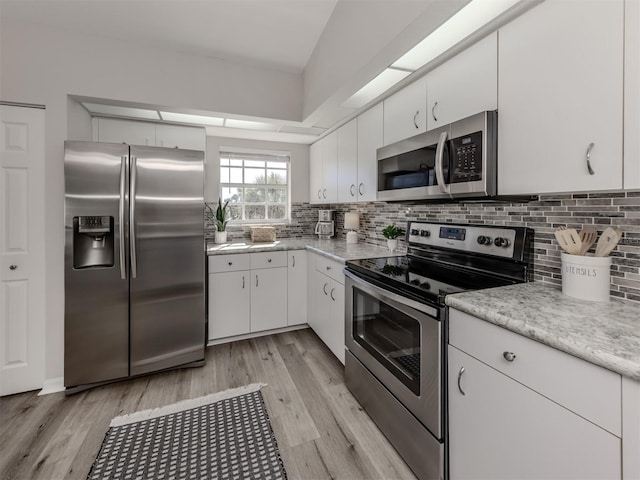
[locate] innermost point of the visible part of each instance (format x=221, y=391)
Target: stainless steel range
x=396, y=327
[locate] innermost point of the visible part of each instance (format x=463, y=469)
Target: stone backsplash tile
x=599, y=210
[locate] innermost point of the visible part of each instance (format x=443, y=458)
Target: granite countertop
x=606, y=334
x=337, y=250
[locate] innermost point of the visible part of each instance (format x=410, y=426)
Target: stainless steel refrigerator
x=134, y=261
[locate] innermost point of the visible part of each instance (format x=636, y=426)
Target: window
x=256, y=185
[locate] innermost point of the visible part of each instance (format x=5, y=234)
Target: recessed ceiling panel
x=117, y=111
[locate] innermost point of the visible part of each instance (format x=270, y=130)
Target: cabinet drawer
x=330, y=268
x=228, y=263
x=586, y=389
x=268, y=260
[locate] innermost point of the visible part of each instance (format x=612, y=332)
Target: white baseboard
x=52, y=385
x=257, y=334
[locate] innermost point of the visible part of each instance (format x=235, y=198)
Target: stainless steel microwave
x=454, y=161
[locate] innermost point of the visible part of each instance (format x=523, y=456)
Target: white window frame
x=250, y=151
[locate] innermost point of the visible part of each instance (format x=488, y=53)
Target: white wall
x=42, y=65
x=78, y=122
x=299, y=165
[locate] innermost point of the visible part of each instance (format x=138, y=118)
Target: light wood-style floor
x=322, y=431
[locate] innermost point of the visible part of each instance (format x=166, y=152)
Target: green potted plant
x=221, y=218
x=391, y=233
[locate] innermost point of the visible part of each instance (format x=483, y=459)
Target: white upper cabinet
x=175, y=136
x=370, y=133
x=125, y=131
x=149, y=134
x=404, y=112
x=560, y=72
x=465, y=85
x=323, y=170
x=348, y=162
x=315, y=173
x=632, y=95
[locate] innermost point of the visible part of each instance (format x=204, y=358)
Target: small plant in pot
x=221, y=218
x=391, y=233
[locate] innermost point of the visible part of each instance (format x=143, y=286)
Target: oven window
x=390, y=335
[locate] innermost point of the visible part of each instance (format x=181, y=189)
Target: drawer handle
x=328, y=267
x=269, y=260
x=294, y=261
x=13, y=267
x=460, y=378
x=324, y=288
x=243, y=281
x=230, y=263
x=256, y=280
x=509, y=356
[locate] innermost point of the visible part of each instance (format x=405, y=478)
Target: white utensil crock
x=586, y=278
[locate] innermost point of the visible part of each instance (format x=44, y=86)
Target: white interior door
x=22, y=269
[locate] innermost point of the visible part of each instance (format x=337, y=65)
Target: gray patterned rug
x=221, y=436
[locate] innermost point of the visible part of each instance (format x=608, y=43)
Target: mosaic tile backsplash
x=620, y=209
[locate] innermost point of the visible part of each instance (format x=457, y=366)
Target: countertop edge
x=622, y=366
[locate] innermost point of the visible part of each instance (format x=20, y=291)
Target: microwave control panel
x=466, y=158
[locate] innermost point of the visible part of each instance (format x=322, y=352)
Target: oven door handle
x=385, y=294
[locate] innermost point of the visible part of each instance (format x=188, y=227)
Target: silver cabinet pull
x=328, y=267
x=589, y=148
x=243, y=281
x=324, y=193
x=352, y=190
x=319, y=193
x=123, y=192
x=324, y=288
x=332, y=297
x=256, y=280
x=230, y=263
x=433, y=111
x=360, y=189
x=294, y=261
x=13, y=267
x=459, y=378
x=509, y=356
x=415, y=124
x=269, y=260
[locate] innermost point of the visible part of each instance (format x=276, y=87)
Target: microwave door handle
x=439, y=164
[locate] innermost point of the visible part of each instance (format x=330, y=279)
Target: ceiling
x=278, y=34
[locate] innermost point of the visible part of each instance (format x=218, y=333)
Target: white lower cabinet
x=502, y=428
x=297, y=287
x=247, y=293
x=326, y=302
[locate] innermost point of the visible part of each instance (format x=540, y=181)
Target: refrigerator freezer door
x=167, y=290
x=96, y=339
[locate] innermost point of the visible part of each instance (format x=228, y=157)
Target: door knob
x=13, y=267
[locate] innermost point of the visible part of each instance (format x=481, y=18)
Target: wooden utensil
x=569, y=240
x=608, y=241
x=588, y=237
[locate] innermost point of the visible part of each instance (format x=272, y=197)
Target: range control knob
x=482, y=240
x=425, y=233
x=415, y=231
x=501, y=242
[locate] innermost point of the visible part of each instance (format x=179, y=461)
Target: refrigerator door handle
x=132, y=220
x=123, y=186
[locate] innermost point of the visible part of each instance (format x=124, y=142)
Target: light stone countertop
x=605, y=334
x=337, y=250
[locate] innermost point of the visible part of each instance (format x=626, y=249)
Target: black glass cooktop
x=424, y=280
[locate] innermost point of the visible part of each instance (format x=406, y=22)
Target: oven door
x=399, y=341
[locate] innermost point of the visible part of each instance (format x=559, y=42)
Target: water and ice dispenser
x=93, y=242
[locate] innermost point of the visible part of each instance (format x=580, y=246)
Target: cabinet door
x=369, y=140
x=449, y=93
x=560, y=80
x=297, y=287
x=348, y=162
x=229, y=304
x=174, y=136
x=314, y=299
x=334, y=336
x=126, y=131
x=404, y=112
x=315, y=172
x=330, y=168
x=268, y=299
x=500, y=429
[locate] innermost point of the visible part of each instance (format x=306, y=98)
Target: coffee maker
x=326, y=226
